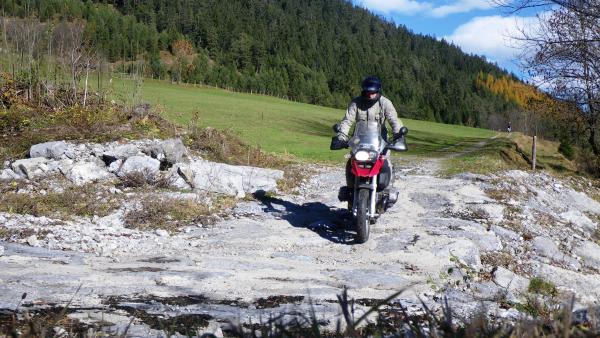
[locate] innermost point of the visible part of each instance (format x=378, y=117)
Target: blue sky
x=477, y=26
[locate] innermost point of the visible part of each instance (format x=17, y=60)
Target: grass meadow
x=280, y=126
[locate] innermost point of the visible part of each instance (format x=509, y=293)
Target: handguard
x=337, y=144
x=398, y=145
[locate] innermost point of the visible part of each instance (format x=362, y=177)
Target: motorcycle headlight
x=362, y=155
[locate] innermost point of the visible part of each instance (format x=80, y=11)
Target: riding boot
x=350, y=178
x=391, y=192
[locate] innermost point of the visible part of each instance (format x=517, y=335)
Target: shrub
x=566, y=149
x=542, y=287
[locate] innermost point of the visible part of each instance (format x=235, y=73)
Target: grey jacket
x=364, y=110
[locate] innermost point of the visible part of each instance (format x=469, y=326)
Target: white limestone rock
x=88, y=172
x=52, y=150
x=145, y=165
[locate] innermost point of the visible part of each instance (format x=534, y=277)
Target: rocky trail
x=475, y=240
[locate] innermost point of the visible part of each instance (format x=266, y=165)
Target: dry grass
x=16, y=234
x=499, y=258
x=23, y=124
x=227, y=147
x=389, y=319
x=138, y=179
x=512, y=153
x=548, y=156
x=85, y=201
x=173, y=214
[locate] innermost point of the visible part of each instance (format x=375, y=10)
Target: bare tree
x=564, y=53
x=72, y=49
x=586, y=7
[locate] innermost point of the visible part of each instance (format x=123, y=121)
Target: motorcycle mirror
x=336, y=128
x=403, y=130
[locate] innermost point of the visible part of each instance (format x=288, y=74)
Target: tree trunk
x=87, y=75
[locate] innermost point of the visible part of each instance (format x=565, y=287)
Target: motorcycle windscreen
x=366, y=136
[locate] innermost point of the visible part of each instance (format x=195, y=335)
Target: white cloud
x=411, y=7
x=396, y=6
x=492, y=36
x=461, y=6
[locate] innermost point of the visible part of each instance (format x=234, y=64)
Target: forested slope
x=313, y=51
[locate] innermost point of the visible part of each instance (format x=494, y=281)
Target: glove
x=337, y=143
x=398, y=136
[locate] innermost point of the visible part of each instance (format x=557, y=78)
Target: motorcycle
x=369, y=153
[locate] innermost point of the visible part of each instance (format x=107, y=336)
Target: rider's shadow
x=329, y=223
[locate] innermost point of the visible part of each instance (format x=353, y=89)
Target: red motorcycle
x=372, y=193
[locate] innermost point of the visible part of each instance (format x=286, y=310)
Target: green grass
x=282, y=126
x=497, y=154
x=541, y=286
x=509, y=152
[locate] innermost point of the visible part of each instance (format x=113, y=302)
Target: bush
x=566, y=149
x=541, y=286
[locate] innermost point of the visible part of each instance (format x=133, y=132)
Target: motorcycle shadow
x=328, y=222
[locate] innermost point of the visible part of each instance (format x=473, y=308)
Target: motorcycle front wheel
x=363, y=223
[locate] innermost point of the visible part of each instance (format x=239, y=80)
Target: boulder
x=33, y=241
x=76, y=151
x=9, y=175
x=115, y=166
x=121, y=152
x=176, y=180
x=171, y=151
x=145, y=165
x=30, y=167
x=64, y=166
x=255, y=179
x=87, y=172
x=51, y=150
x=590, y=252
x=228, y=179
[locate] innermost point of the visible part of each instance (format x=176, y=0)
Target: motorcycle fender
x=368, y=172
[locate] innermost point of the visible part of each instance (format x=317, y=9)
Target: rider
x=369, y=106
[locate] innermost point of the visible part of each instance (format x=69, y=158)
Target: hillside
x=309, y=51
x=278, y=125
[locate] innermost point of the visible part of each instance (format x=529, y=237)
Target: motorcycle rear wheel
x=363, y=223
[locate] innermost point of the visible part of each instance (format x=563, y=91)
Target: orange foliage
x=182, y=47
x=515, y=91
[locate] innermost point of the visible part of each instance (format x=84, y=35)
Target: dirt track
x=278, y=253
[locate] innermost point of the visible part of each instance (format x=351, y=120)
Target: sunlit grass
x=282, y=126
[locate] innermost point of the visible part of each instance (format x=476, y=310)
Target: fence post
x=533, y=152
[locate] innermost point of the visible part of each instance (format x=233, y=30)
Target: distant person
x=369, y=106
x=509, y=127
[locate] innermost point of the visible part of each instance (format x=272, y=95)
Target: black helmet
x=371, y=84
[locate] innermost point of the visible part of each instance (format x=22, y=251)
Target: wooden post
x=533, y=152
